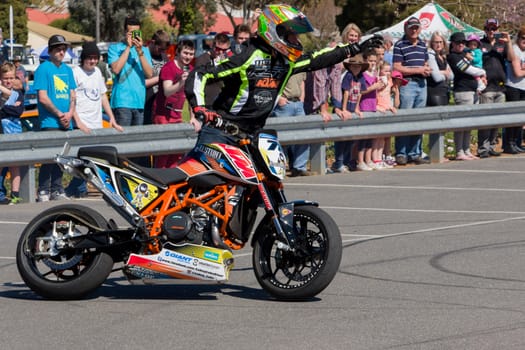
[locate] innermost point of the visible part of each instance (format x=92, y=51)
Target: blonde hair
x=7, y=67
x=438, y=34
x=349, y=27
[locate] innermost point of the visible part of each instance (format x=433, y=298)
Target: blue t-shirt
x=129, y=86
x=354, y=85
x=58, y=82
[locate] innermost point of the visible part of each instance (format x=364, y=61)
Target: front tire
x=62, y=274
x=306, y=272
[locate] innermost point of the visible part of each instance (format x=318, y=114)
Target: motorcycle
x=185, y=222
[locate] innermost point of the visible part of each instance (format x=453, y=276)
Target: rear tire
x=305, y=273
x=55, y=274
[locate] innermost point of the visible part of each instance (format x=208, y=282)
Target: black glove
x=352, y=50
x=205, y=115
x=371, y=43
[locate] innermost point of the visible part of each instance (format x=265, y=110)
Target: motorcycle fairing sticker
x=138, y=192
x=273, y=154
x=240, y=161
x=206, y=155
x=177, y=264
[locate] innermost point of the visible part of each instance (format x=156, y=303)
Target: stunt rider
x=255, y=78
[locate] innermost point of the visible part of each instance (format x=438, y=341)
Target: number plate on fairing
x=273, y=154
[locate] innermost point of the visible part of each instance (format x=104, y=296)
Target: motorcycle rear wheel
x=302, y=274
x=61, y=275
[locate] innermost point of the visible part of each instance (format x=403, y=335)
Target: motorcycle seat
x=110, y=154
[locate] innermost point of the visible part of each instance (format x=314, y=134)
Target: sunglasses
x=218, y=49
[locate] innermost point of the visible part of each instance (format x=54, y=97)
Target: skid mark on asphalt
x=427, y=230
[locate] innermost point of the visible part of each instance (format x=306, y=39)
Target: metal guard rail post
x=30, y=148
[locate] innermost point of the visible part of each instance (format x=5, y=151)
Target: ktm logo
x=269, y=83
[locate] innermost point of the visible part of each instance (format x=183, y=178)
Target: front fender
x=265, y=225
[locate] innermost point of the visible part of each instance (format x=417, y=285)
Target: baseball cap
x=458, y=37
x=412, y=22
x=491, y=22
x=57, y=40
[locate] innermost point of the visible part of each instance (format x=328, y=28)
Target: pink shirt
x=175, y=102
x=369, y=101
x=384, y=97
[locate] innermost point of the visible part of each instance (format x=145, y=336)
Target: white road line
x=13, y=222
x=424, y=188
x=438, y=211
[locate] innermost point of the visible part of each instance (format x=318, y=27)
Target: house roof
x=46, y=32
x=37, y=15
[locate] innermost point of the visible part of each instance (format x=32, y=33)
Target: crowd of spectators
x=148, y=88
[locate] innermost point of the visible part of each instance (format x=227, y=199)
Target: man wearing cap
x=410, y=58
x=131, y=63
x=495, y=47
x=55, y=86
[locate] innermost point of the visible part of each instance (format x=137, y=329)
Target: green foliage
x=112, y=16
x=382, y=14
x=19, y=21
x=193, y=16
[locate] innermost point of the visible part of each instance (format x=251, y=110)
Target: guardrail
x=29, y=148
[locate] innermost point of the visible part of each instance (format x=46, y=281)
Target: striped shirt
x=410, y=55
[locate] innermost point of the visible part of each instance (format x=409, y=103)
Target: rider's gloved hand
x=206, y=115
x=371, y=43
x=352, y=49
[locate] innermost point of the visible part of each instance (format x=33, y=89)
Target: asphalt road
x=433, y=259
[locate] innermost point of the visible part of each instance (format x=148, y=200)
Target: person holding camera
x=169, y=101
x=495, y=46
x=131, y=63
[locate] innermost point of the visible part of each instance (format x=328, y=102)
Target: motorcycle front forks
x=282, y=217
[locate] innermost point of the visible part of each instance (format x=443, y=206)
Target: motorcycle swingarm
x=103, y=239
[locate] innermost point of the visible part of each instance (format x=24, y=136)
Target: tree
x=19, y=21
x=112, y=16
x=321, y=14
x=191, y=16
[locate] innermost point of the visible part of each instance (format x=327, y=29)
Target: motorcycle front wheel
x=52, y=271
x=305, y=272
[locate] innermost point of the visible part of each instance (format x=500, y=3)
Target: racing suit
x=253, y=81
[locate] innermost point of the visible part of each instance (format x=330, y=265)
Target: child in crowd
x=370, y=151
x=11, y=108
x=352, y=84
x=385, y=104
x=475, y=55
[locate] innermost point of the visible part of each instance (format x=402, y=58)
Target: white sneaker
x=385, y=165
x=374, y=165
x=43, y=196
x=343, y=169
x=363, y=167
x=59, y=196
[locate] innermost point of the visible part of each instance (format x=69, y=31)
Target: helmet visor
x=297, y=25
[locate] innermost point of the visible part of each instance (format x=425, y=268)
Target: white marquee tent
x=433, y=18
